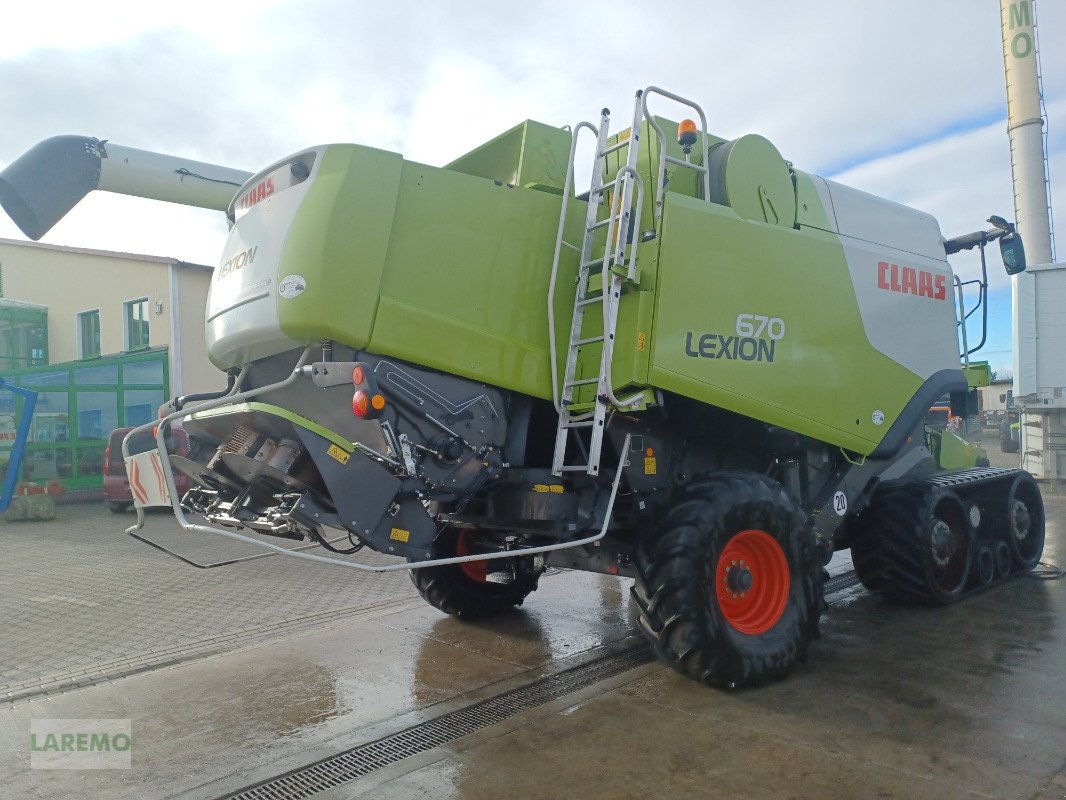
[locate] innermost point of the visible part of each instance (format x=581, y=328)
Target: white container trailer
x=1040, y=368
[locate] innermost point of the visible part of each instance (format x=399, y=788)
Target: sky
x=905, y=100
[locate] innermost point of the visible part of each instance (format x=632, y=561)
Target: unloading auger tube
x=299, y=370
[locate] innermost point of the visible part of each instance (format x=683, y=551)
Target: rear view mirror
x=1012, y=251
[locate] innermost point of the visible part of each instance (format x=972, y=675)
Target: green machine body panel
x=951, y=451
x=445, y=269
x=978, y=373
x=449, y=268
x=338, y=242
x=531, y=155
x=466, y=277
x=810, y=371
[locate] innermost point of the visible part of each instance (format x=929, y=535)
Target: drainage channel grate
x=841, y=582
x=366, y=758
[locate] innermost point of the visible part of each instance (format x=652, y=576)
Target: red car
x=117, y=492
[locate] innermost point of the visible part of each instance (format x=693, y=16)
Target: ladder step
x=583, y=408
x=574, y=468
x=602, y=223
x=603, y=187
x=588, y=301
x=571, y=246
x=593, y=262
x=582, y=382
x=589, y=340
x=584, y=423
x=615, y=147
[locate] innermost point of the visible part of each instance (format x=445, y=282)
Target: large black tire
x=913, y=543
x=462, y=592
x=676, y=591
x=1006, y=438
x=118, y=507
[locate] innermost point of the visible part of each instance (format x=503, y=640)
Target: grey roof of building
x=109, y=254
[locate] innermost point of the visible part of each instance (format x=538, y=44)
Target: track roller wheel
x=913, y=543
x=729, y=592
x=1001, y=555
x=983, y=571
x=463, y=590
x=1025, y=522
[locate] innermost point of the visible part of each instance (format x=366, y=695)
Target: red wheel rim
x=752, y=582
x=474, y=570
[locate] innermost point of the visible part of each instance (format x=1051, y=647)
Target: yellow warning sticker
x=548, y=488
x=400, y=535
x=642, y=341
x=649, y=465
x=338, y=454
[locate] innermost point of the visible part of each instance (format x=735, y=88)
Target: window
x=135, y=313
x=104, y=375
x=78, y=405
x=141, y=404
x=89, y=334
x=97, y=414
x=143, y=372
x=23, y=335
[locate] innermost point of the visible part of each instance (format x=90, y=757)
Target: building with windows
x=104, y=338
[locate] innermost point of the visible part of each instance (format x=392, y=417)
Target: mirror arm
x=982, y=300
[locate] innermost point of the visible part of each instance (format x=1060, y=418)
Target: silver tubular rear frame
x=235, y=395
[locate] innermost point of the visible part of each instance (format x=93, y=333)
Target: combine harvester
x=706, y=373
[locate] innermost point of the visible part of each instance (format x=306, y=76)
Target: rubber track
x=885, y=549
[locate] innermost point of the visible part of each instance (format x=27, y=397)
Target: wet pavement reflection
x=896, y=702
x=222, y=716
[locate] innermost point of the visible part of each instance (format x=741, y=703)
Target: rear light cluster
x=367, y=403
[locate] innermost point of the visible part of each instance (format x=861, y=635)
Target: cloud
x=899, y=97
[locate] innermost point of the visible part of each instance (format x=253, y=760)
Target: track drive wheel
x=730, y=591
x=463, y=589
x=1025, y=522
x=913, y=543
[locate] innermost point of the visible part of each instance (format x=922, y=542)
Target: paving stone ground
x=83, y=602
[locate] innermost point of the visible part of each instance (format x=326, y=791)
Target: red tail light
x=365, y=405
x=107, y=463
x=361, y=404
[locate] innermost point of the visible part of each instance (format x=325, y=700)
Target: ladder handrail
x=617, y=266
x=962, y=321
x=660, y=187
x=567, y=187
x=596, y=197
x=607, y=277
